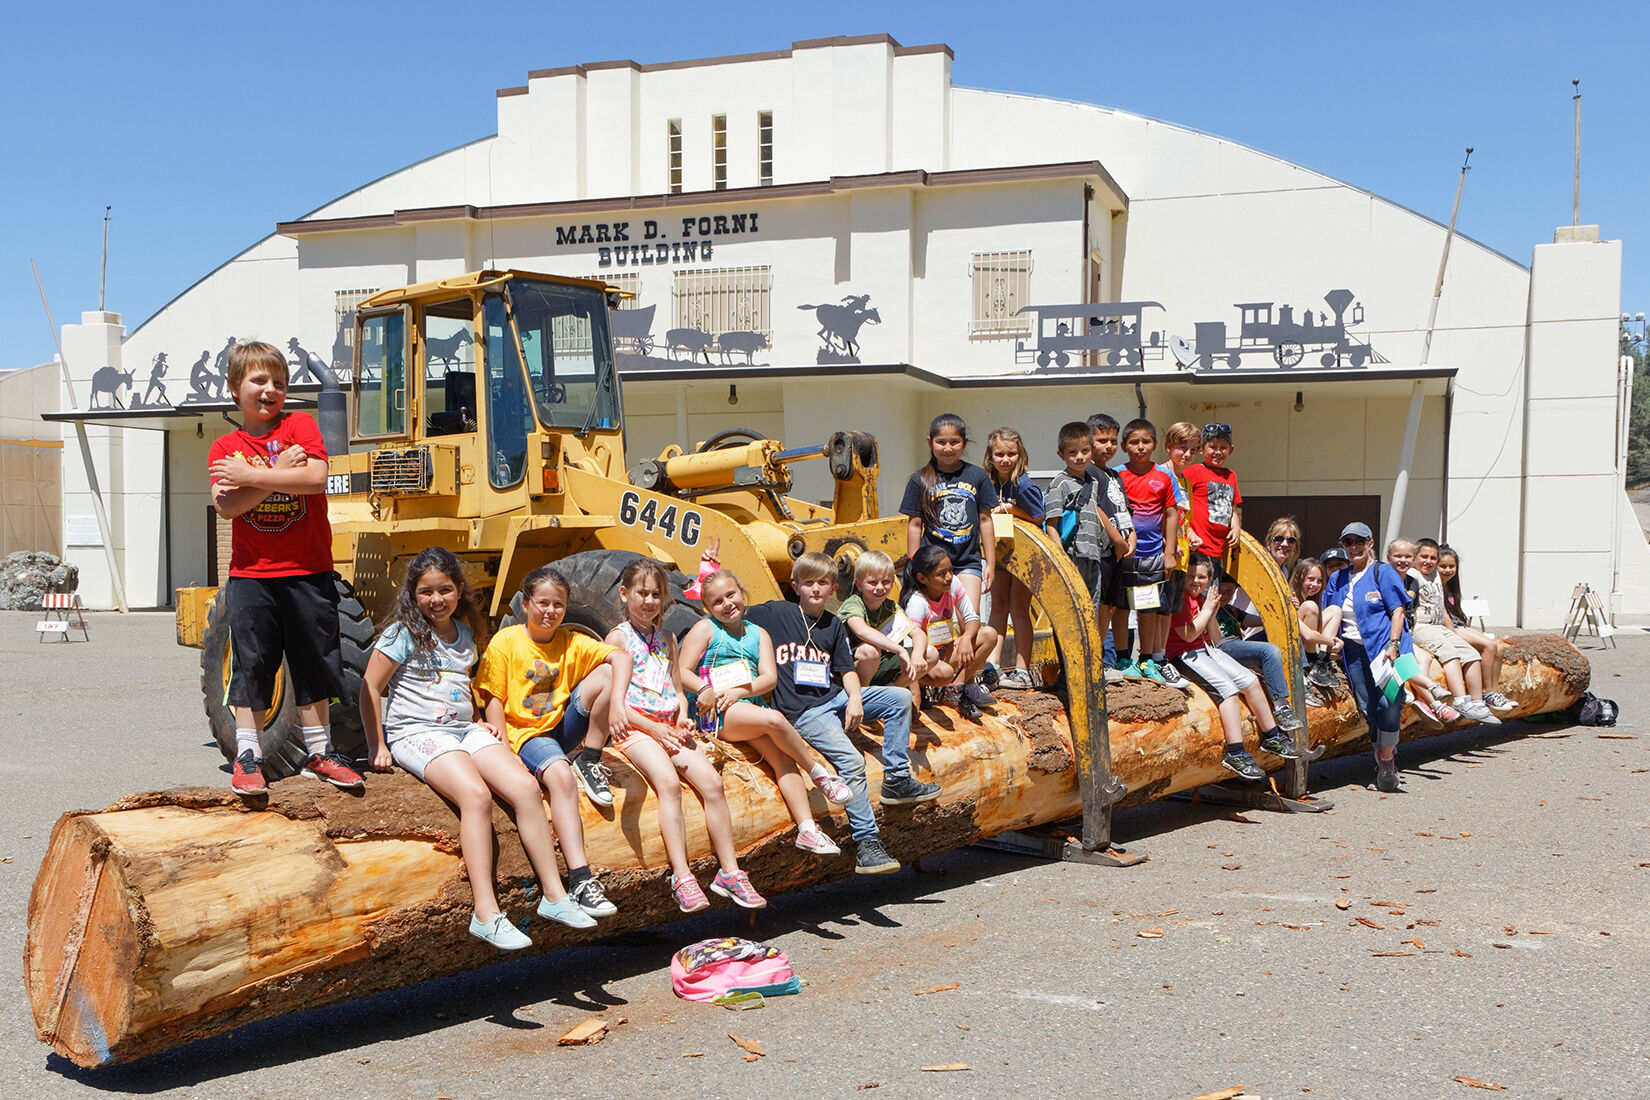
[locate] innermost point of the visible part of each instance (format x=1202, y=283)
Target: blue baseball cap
x=1358, y=530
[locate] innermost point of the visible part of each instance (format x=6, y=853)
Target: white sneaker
x=1477, y=711
x=1498, y=702
x=1171, y=676
x=811, y=838
x=500, y=933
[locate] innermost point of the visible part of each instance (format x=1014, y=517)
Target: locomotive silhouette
x=1287, y=339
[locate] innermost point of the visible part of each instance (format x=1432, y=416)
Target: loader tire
x=282, y=741
x=593, y=601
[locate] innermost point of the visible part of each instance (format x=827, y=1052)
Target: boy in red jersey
x=269, y=478
x=1216, y=502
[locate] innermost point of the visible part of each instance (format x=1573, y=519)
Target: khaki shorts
x=1444, y=644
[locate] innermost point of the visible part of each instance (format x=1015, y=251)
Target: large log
x=174, y=915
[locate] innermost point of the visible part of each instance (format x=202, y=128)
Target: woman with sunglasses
x=1370, y=599
x=1283, y=541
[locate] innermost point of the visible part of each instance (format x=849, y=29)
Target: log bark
x=174, y=915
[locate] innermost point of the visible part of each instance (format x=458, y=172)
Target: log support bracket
x=1252, y=798
x=1056, y=842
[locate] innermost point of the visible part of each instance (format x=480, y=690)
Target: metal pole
x=1400, y=487
x=1575, y=212
x=103, y=271
x=86, y=457
x=1443, y=261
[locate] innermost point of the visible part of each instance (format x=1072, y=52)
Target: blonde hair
x=812, y=566
x=1182, y=434
x=873, y=563
x=250, y=355
x=1006, y=435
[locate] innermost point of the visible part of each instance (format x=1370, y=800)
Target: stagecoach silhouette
x=1288, y=340
x=1112, y=327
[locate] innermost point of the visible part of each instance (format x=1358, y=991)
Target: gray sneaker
x=589, y=896
x=872, y=859
x=1288, y=720
x=1478, y=712
x=1498, y=702
x=903, y=789
x=977, y=695
x=1172, y=677
x=1015, y=679
x=1238, y=760
x=1386, y=776
x=1312, y=698
x=1279, y=744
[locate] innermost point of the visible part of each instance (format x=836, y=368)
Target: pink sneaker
x=738, y=887
x=836, y=792
x=811, y=838
x=1425, y=709
x=689, y=897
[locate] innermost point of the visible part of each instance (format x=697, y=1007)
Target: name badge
x=725, y=678
x=899, y=626
x=940, y=632
x=655, y=673
x=811, y=674
x=1145, y=597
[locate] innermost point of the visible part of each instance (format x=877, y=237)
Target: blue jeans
x=1261, y=657
x=821, y=727
x=1381, y=713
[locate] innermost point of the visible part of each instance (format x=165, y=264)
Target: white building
x=834, y=236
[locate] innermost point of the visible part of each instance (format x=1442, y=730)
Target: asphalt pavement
x=1494, y=931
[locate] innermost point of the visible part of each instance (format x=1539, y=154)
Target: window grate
x=630, y=282
x=1001, y=282
x=396, y=472
x=719, y=300
x=344, y=303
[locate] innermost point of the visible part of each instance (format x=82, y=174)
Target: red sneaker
x=333, y=768
x=247, y=777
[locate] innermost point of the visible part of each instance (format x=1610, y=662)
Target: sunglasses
x=1354, y=540
x=1217, y=431
x=1284, y=540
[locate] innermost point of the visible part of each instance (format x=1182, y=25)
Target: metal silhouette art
x=203, y=384
x=1287, y=340
x=156, y=386
x=307, y=364
x=109, y=382
x=633, y=329
x=839, y=327
x=445, y=348
x=696, y=342
x=1111, y=330
x=748, y=343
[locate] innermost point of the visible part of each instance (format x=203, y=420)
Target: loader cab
x=492, y=370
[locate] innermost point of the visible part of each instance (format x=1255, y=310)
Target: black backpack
x=1590, y=710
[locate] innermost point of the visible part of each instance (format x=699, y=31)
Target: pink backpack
x=711, y=970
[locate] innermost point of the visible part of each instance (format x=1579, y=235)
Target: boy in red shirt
x=1150, y=489
x=1217, y=505
x=269, y=478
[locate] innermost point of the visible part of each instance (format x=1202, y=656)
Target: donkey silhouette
x=108, y=381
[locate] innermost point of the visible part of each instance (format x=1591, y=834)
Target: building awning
x=166, y=418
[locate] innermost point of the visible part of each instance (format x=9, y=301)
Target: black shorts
x=1174, y=592
x=1137, y=572
x=275, y=617
x=1097, y=575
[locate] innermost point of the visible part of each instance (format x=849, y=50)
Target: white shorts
x=1444, y=644
x=1215, y=672
x=414, y=751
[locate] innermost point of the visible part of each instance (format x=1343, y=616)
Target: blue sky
x=205, y=124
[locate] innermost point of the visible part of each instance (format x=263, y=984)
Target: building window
x=719, y=300
x=675, y=130
x=343, y=327
x=1000, y=282
x=764, y=146
x=719, y=151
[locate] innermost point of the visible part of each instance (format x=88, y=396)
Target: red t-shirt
x=1151, y=495
x=285, y=535
x=1189, y=608
x=1214, y=497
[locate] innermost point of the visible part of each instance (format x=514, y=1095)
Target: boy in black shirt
x=819, y=693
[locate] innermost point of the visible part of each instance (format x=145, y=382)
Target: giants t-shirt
x=285, y=535
x=1150, y=495
x=814, y=642
x=1215, y=498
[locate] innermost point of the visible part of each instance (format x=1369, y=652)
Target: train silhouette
x=1286, y=339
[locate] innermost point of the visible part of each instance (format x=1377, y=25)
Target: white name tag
x=655, y=673
x=940, y=632
x=899, y=626
x=725, y=678
x=811, y=674
x=1145, y=597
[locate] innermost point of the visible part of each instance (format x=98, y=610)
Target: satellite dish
x=1184, y=354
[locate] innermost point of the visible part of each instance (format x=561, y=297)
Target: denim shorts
x=545, y=749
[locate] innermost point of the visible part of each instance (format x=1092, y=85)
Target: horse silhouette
x=107, y=380
x=839, y=325
x=445, y=348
